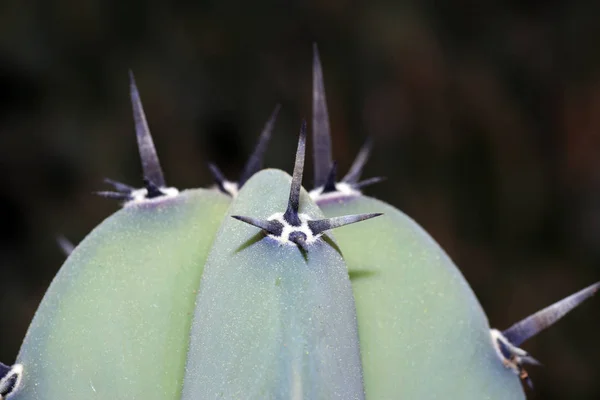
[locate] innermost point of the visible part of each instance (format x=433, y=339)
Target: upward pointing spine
x=353, y=175
x=255, y=161
x=150, y=164
x=532, y=325
x=320, y=124
x=291, y=213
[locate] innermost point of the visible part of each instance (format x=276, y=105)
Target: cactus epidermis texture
x=115, y=322
x=284, y=318
x=423, y=333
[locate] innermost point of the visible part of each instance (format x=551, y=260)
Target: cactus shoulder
x=423, y=332
x=115, y=322
x=272, y=321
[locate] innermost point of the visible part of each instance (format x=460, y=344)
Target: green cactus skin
x=423, y=334
x=115, y=322
x=170, y=298
x=271, y=321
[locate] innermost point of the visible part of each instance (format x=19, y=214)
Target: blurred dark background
x=485, y=116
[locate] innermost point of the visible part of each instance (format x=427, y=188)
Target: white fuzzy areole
x=342, y=190
x=139, y=196
x=288, y=229
x=231, y=188
x=513, y=363
x=16, y=370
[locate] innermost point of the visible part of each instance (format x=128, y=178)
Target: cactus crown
x=291, y=227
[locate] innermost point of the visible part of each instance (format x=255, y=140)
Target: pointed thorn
x=120, y=187
x=368, y=182
x=319, y=226
x=150, y=164
x=255, y=162
x=272, y=227
x=218, y=177
x=331, y=179
x=320, y=123
x=153, y=189
x=355, y=172
x=532, y=325
x=291, y=213
x=114, y=195
x=65, y=245
x=530, y=360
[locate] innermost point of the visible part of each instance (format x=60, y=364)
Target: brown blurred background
x=485, y=116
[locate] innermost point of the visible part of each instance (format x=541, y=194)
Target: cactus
x=243, y=291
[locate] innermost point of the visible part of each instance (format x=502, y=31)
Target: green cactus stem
x=178, y=295
x=275, y=314
x=115, y=321
x=399, y=274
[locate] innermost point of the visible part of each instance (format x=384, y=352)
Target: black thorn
x=331, y=179
x=368, y=182
x=65, y=245
x=322, y=225
x=530, y=360
x=121, y=187
x=291, y=213
x=218, y=177
x=272, y=227
x=150, y=164
x=153, y=189
x=532, y=325
x=114, y=195
x=299, y=238
x=320, y=124
x=353, y=175
x=255, y=161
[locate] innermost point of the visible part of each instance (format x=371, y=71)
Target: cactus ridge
x=505, y=343
x=292, y=227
